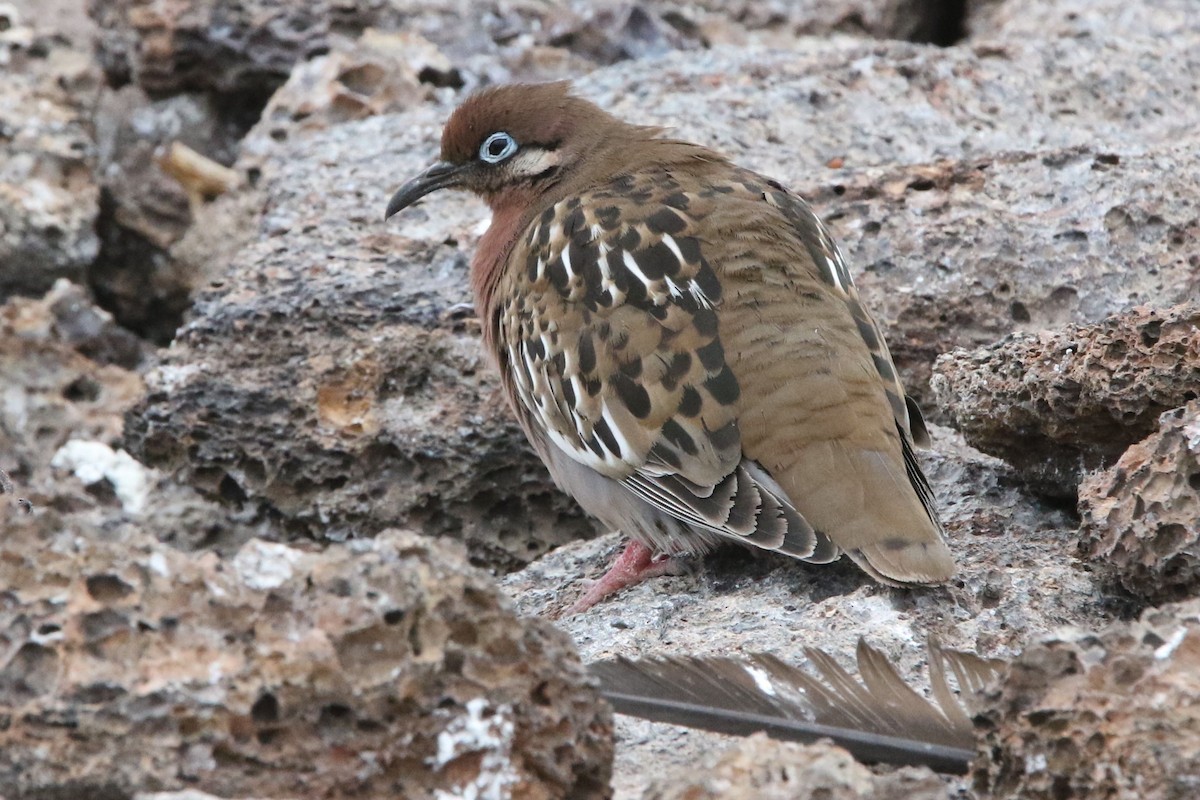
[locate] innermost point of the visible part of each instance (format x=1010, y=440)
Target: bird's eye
x=497, y=147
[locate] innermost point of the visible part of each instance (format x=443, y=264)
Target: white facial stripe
x=532, y=161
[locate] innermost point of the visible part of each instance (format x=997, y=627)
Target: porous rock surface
x=1018, y=579
x=64, y=373
x=387, y=668
x=1058, y=403
x=758, y=768
x=1113, y=714
x=66, y=380
x=1141, y=517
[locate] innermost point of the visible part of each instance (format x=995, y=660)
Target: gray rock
x=244, y=49
x=1025, y=20
x=758, y=768
x=66, y=382
x=1059, y=403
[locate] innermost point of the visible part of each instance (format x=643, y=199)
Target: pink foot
x=635, y=564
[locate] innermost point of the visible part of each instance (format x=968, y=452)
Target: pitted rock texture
x=1022, y=20
x=1114, y=714
x=1141, y=518
x=48, y=194
x=386, y=668
x=377, y=73
x=66, y=382
x=1058, y=403
x=237, y=47
x=64, y=373
x=758, y=768
x=247, y=47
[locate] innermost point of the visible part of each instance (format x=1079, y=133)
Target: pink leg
x=635, y=564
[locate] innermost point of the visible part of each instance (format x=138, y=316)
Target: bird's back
x=821, y=408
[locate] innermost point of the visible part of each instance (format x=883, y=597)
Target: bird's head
x=517, y=141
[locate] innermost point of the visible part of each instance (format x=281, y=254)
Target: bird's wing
x=610, y=330
x=840, y=439
x=831, y=267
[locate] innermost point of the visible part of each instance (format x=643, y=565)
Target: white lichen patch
x=490, y=735
x=1192, y=432
x=170, y=377
x=265, y=565
x=1168, y=648
x=93, y=462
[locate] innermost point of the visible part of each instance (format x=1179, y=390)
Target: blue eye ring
x=497, y=147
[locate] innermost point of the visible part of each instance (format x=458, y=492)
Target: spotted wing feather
x=611, y=333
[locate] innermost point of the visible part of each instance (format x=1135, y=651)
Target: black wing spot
x=867, y=331
x=629, y=240
x=691, y=403
x=678, y=368
x=706, y=279
x=676, y=200
x=884, y=366
x=726, y=436
x=665, y=221
x=657, y=261
x=664, y=455
x=557, y=273
x=587, y=352
x=609, y=217
x=633, y=395
x=674, y=433
x=712, y=355
x=705, y=321
x=632, y=368
x=601, y=429
x=724, y=387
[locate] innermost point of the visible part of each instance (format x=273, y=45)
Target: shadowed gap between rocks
x=940, y=22
x=122, y=276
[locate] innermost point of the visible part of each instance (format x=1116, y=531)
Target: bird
x=682, y=343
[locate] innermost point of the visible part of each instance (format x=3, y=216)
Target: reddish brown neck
x=511, y=213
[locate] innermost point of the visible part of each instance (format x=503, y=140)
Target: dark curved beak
x=441, y=175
